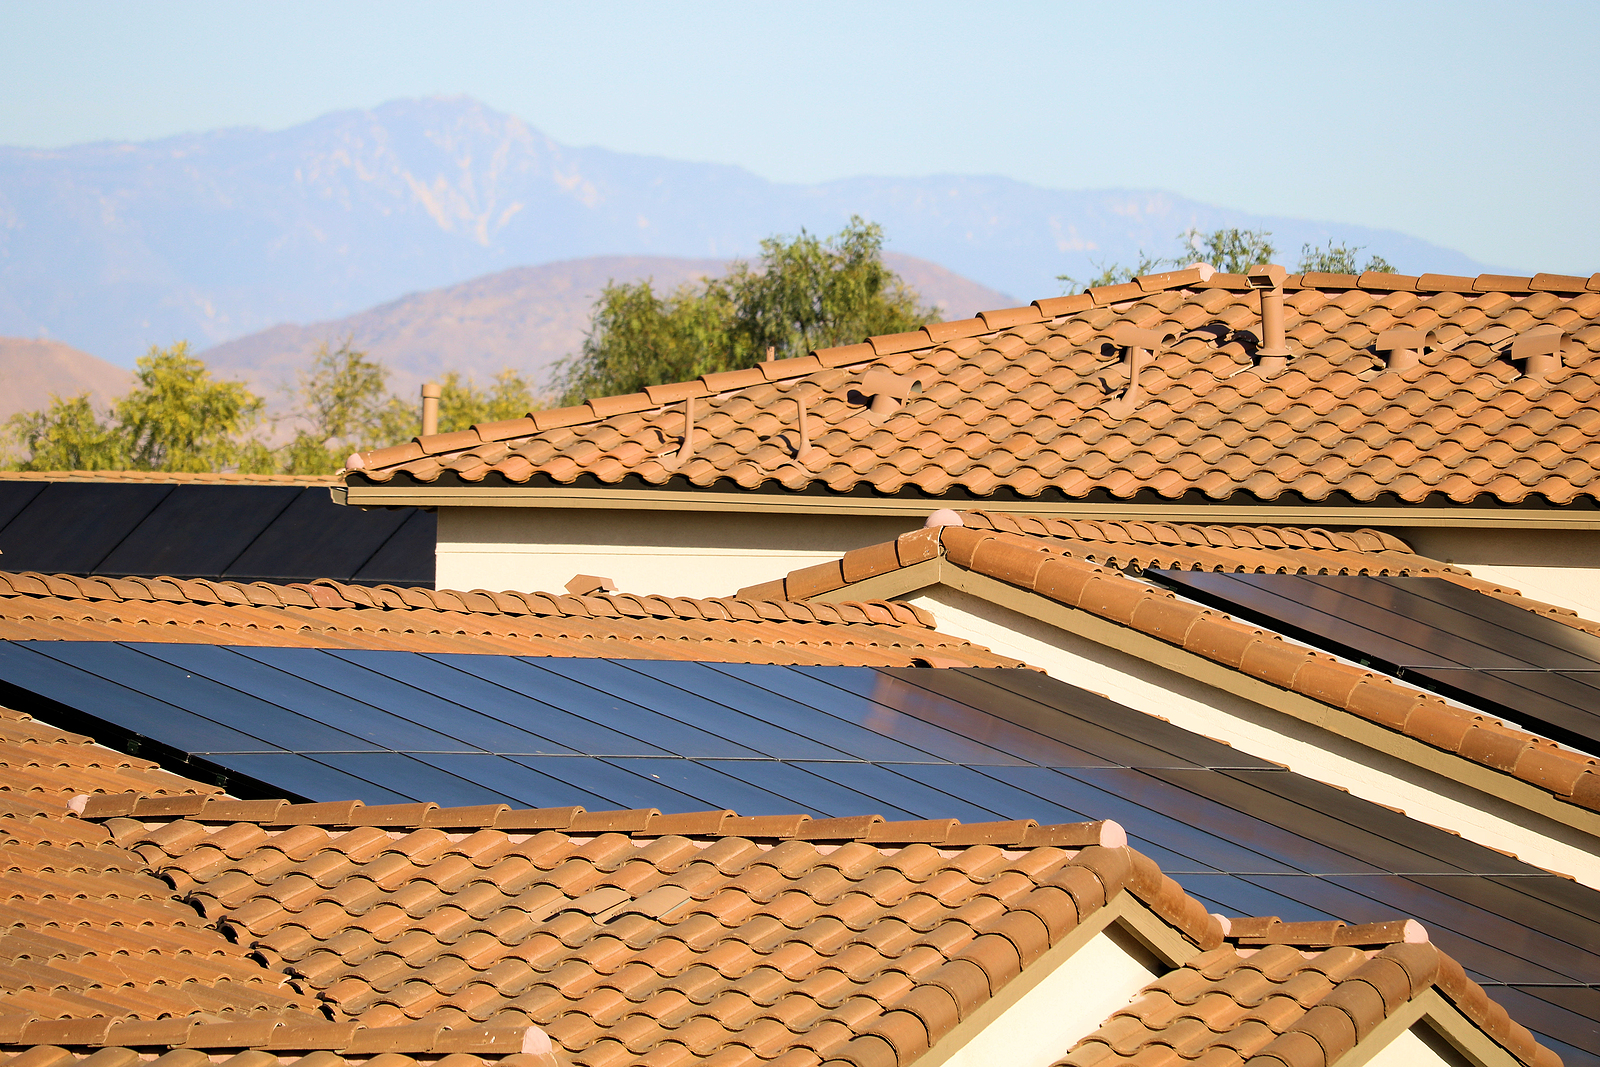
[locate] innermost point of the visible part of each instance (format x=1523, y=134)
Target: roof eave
x=1471, y=515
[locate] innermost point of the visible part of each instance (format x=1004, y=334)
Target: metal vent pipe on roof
x=1402, y=347
x=430, y=408
x=1539, y=350
x=1273, y=355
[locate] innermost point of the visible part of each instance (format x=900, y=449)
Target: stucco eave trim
x=1208, y=512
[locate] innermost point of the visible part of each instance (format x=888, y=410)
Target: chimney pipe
x=430, y=408
x=1140, y=346
x=1404, y=347
x=687, y=448
x=772, y=353
x=805, y=427
x=1273, y=355
x=1540, y=350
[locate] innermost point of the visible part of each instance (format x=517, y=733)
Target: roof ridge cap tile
x=1268, y=656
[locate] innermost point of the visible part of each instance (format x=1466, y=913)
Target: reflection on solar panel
x=1243, y=835
x=1530, y=670
x=247, y=533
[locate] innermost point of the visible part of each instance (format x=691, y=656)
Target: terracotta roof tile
x=327, y=614
x=1079, y=563
x=1006, y=366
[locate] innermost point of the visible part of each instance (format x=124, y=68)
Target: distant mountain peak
x=217, y=235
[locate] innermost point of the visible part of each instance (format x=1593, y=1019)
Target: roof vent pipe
x=687, y=448
x=430, y=408
x=1540, y=351
x=1402, y=347
x=1141, y=345
x=1273, y=355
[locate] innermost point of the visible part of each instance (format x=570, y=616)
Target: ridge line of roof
x=597, y=409
x=328, y=593
x=1567, y=775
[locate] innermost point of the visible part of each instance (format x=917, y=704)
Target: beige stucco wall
x=1560, y=567
x=675, y=553
x=1071, y=1001
x=1303, y=747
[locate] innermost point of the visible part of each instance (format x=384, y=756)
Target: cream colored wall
x=1248, y=726
x=1560, y=567
x=1412, y=1048
x=700, y=554
x=1071, y=1002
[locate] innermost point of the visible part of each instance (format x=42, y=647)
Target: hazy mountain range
x=213, y=236
x=525, y=318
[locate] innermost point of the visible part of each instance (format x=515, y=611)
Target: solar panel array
x=1534, y=671
x=1243, y=835
x=246, y=533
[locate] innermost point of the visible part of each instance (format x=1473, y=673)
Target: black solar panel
x=276, y=533
x=314, y=537
x=1241, y=834
x=198, y=530
x=1530, y=670
x=70, y=527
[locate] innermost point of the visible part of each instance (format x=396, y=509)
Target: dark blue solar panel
x=1242, y=835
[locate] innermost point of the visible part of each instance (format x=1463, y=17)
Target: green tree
x=1115, y=273
x=1339, y=259
x=69, y=435
x=180, y=418
x=341, y=405
x=1229, y=249
x=804, y=293
x=177, y=417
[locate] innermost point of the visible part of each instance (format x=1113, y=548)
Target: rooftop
x=1035, y=404
x=1081, y=565
x=465, y=936
x=328, y=614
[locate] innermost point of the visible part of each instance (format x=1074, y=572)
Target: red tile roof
x=477, y=934
x=327, y=614
x=1028, y=403
x=1079, y=564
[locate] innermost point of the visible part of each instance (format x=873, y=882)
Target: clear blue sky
x=1475, y=125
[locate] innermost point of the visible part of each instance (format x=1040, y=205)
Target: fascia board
x=1124, y=910
x=1432, y=1009
x=602, y=498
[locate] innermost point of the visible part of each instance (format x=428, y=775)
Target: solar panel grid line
x=14, y=499
x=57, y=679
x=51, y=535
x=1316, y=615
x=836, y=706
x=560, y=725
x=1482, y=680
x=1492, y=945
x=1140, y=740
x=1542, y=1013
x=304, y=697
x=485, y=707
x=407, y=557
x=1533, y=701
x=315, y=536
x=953, y=709
x=867, y=684
x=213, y=525
x=1491, y=611
x=201, y=694
x=1341, y=815
x=1475, y=618
x=639, y=683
